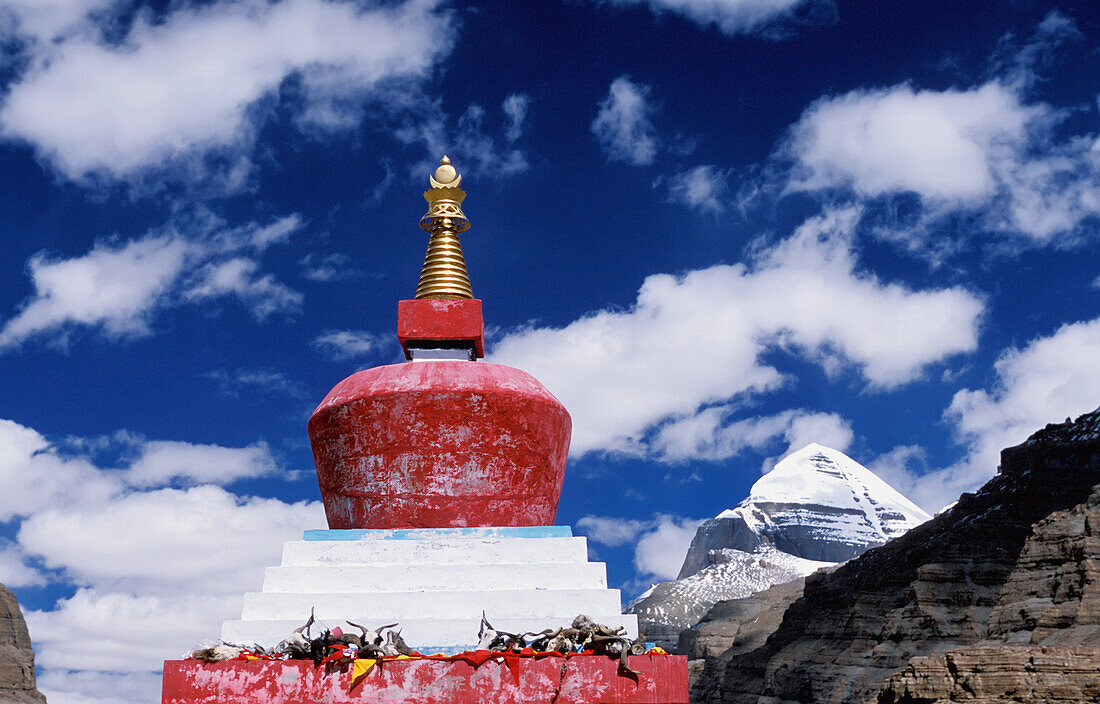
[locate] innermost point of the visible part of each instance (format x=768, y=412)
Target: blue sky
x=716, y=229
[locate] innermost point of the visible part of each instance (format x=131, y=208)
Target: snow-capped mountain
x=817, y=504
x=816, y=508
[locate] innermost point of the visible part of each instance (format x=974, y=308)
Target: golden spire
x=444, y=272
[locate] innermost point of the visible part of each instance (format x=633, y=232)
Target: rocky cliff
x=979, y=604
x=17, y=684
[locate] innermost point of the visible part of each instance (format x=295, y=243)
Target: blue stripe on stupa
x=438, y=533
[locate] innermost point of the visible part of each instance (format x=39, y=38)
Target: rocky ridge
x=974, y=605
x=668, y=608
x=17, y=683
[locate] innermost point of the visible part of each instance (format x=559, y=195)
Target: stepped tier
x=434, y=582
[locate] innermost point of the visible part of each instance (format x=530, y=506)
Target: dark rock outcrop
x=739, y=625
x=1014, y=566
x=985, y=675
x=17, y=684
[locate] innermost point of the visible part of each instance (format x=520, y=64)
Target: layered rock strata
x=1014, y=565
x=17, y=684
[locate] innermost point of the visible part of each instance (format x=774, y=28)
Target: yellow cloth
x=361, y=667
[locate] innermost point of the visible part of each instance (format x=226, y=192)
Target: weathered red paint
x=441, y=444
x=441, y=320
x=662, y=679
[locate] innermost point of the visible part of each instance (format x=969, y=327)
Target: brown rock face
x=985, y=675
x=16, y=657
x=1013, y=568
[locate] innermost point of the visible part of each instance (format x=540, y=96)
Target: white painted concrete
x=435, y=584
x=416, y=577
x=395, y=606
x=428, y=635
x=437, y=551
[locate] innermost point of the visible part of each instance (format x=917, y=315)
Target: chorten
x=440, y=478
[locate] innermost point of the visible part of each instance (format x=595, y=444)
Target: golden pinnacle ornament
x=444, y=272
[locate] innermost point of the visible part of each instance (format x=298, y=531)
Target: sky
x=717, y=230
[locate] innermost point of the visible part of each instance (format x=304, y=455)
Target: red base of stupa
x=662, y=679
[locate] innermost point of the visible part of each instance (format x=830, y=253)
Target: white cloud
x=661, y=551
x=14, y=570
x=697, y=339
x=623, y=127
x=515, y=108
x=1046, y=381
x=168, y=541
x=263, y=295
x=985, y=149
x=34, y=476
x=73, y=687
x=708, y=434
x=154, y=571
x=730, y=16
x=162, y=462
x=704, y=187
x=113, y=288
x=339, y=345
x=611, y=531
x=45, y=19
x=117, y=288
x=201, y=82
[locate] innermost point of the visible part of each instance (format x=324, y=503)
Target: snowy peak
x=817, y=504
x=822, y=476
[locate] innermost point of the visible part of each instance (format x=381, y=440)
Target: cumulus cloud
x=194, y=88
x=611, y=531
x=153, y=569
x=986, y=150
x=660, y=544
x=14, y=570
x=116, y=288
x=660, y=552
x=704, y=187
x=339, y=345
x=1046, y=381
x=43, y=20
x=622, y=373
x=162, y=462
x=623, y=126
x=710, y=434
x=730, y=16
x=263, y=295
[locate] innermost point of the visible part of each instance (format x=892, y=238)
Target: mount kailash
x=815, y=509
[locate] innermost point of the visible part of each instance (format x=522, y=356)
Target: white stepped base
x=435, y=551
x=511, y=603
x=435, y=583
x=329, y=579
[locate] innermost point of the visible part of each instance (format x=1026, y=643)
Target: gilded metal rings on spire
x=444, y=273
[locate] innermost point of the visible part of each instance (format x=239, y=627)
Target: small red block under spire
x=438, y=321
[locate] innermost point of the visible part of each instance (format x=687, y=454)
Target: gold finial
x=444, y=272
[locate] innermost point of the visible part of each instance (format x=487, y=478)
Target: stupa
x=440, y=478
